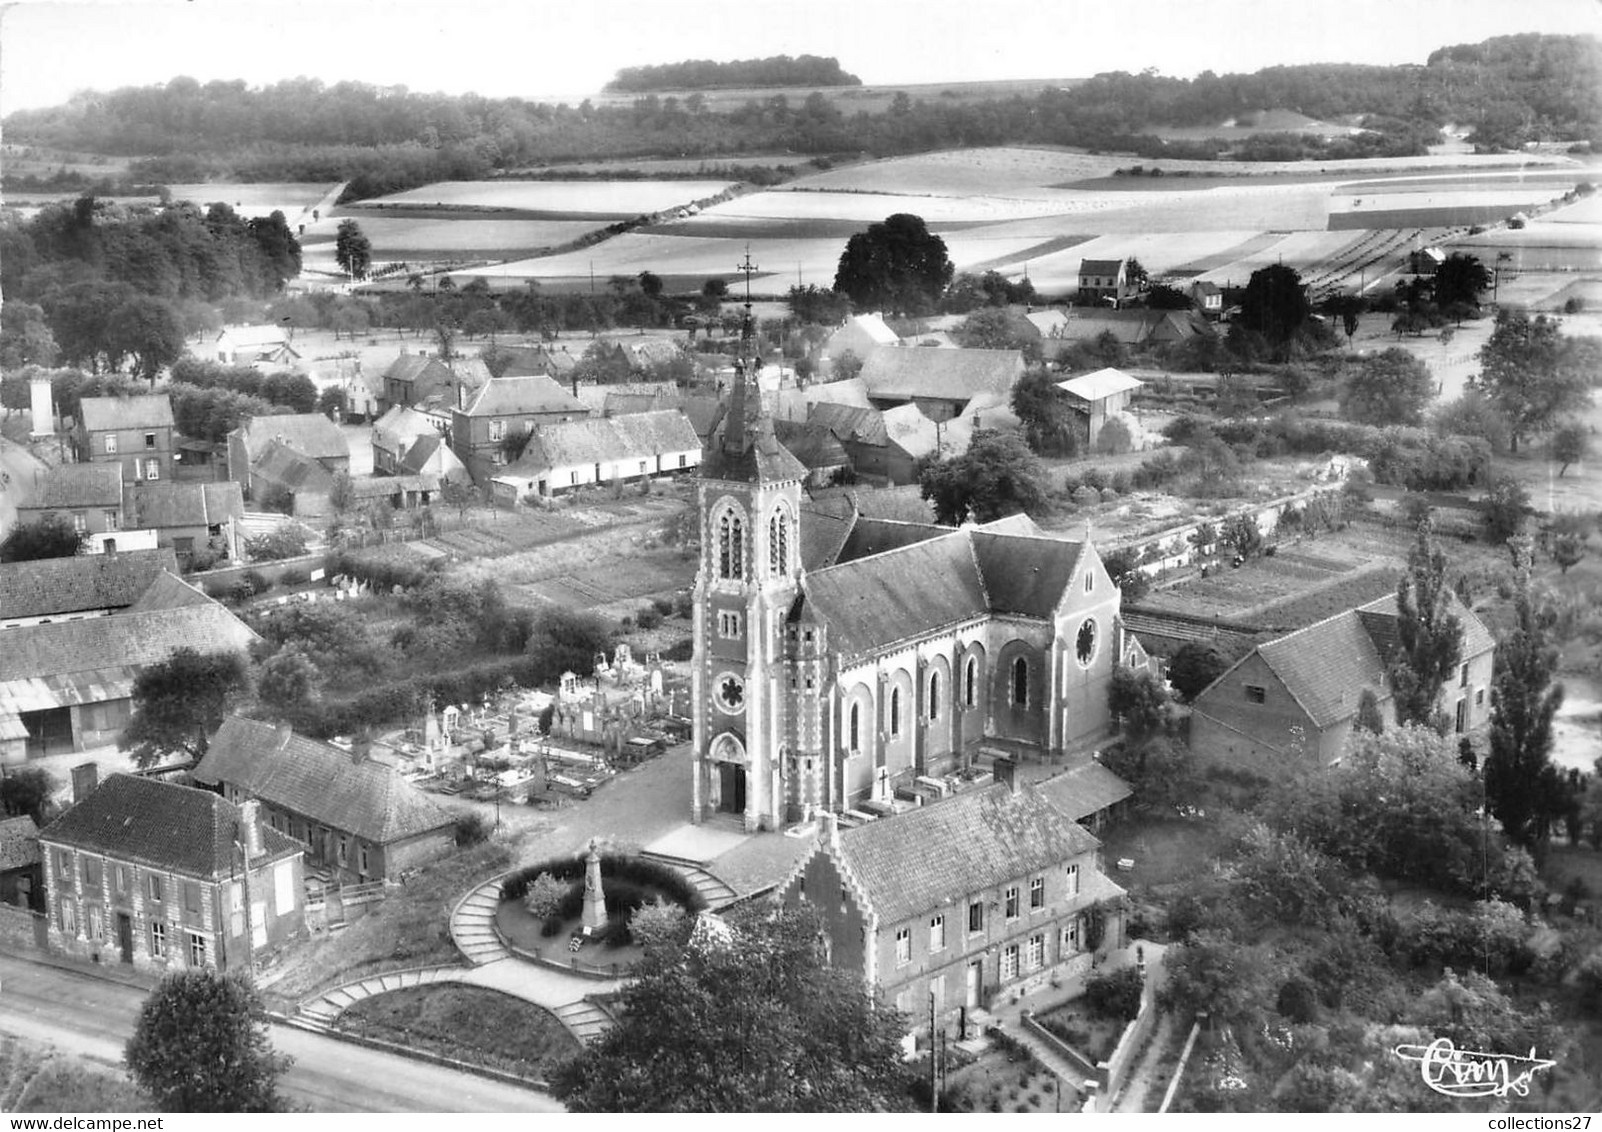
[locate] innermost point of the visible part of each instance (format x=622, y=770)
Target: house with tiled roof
x=90, y=496
x=21, y=878
x=312, y=435
x=410, y=377
x=994, y=891
x=600, y=450
x=1088, y=793
x=1105, y=281
x=358, y=819
x=264, y=347
x=70, y=589
x=134, y=434
x=68, y=685
x=192, y=518
x=816, y=447
x=282, y=469
x=160, y=877
x=504, y=407
x=394, y=433
x=860, y=335
x=1293, y=702
x=1208, y=298
x=939, y=382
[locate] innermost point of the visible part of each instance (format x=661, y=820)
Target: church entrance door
x=731, y=795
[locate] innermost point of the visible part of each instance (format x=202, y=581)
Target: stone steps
x=584, y=1020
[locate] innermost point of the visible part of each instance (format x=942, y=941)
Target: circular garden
x=542, y=909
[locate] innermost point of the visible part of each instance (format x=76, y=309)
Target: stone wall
x=22, y=930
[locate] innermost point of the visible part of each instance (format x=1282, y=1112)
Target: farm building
x=412, y=378
x=939, y=382
x=600, y=450
x=816, y=447
x=71, y=589
x=1294, y=701
x=1051, y=323
x=504, y=407
x=191, y=518
x=393, y=435
x=311, y=434
x=21, y=877
x=627, y=397
x=533, y=361
x=263, y=347
x=1098, y=398
x=1425, y=261
x=1105, y=281
x=860, y=335
x=431, y=456
x=400, y=491
x=282, y=468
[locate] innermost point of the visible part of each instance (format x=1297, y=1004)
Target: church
x=839, y=657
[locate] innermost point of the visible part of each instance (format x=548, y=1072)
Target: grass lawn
x=1088, y=1033
x=483, y=1027
x=41, y=1079
x=525, y=933
x=1166, y=851
x=999, y=1082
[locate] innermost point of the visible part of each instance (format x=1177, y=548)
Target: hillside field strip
x=617, y=199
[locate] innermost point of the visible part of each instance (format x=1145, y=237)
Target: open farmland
x=616, y=200
x=487, y=236
x=292, y=198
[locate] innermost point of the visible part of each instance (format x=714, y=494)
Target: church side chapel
x=839, y=657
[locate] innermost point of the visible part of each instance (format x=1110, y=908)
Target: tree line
x=708, y=74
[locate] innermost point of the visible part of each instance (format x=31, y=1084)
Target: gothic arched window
x=970, y=683
x=779, y=543
x=895, y=711
x=1020, y=682
x=731, y=545
x=854, y=729
x=934, y=695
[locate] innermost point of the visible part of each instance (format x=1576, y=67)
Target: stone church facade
x=838, y=657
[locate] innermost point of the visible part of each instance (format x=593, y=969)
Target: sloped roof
x=1102, y=383
x=848, y=392
x=51, y=586
x=1100, y=266
x=861, y=425
x=509, y=396
x=412, y=368
x=812, y=444
x=19, y=843
x=871, y=536
x=397, y=428
x=282, y=464
x=262, y=334
x=952, y=849
x=1025, y=576
x=704, y=412
x=603, y=440
x=1083, y=790
x=989, y=410
x=950, y=375
x=826, y=524
x=159, y=505
x=1379, y=618
x=385, y=487
x=78, y=485
x=318, y=781
x=121, y=640
x=150, y=822
x=751, y=453
x=100, y=414
x=872, y=602
x=622, y=404
x=1326, y=666
x=311, y=434
x=871, y=325
x=168, y=591
x=915, y=434
x=431, y=455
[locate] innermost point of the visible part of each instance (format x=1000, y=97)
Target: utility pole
x=934, y=1061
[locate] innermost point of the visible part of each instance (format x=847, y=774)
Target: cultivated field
x=478, y=235
x=607, y=199
x=292, y=198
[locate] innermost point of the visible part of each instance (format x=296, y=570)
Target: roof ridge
x=887, y=553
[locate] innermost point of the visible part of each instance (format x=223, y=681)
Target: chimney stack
x=281, y=736
x=250, y=829
x=1005, y=770
x=85, y=777
x=361, y=746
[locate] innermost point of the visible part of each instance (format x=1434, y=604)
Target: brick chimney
x=85, y=777
x=250, y=829
x=1005, y=770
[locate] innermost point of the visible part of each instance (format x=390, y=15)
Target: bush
x=1115, y=995
x=258, y=582
x=648, y=618
x=472, y=829
x=288, y=540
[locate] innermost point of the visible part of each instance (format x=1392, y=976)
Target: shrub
x=648, y=618
x=545, y=895
x=472, y=829
x=1115, y=995
x=288, y=540
x=258, y=582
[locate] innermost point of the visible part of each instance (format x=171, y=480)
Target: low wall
x=22, y=929
x=220, y=583
x=1115, y=1069
x=1068, y=1052
x=1177, y=539
x=1179, y=1070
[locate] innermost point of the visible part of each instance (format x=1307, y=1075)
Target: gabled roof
x=19, y=843
x=812, y=444
x=848, y=392
x=860, y=425
x=870, y=535
x=908, y=592
x=1048, y=322
x=510, y=396
x=169, y=591
x=873, y=327
x=603, y=440
x=412, y=368
x=52, y=586
x=264, y=335
x=1025, y=576
x=318, y=781
x=398, y=427
x=387, y=487
x=1083, y=790
x=158, y=505
x=949, y=375
x=1326, y=666
x=150, y=822
x=125, y=640
x=102, y=414
x=78, y=485
x=282, y=464
x=826, y=524
x=1379, y=618
x=704, y=412
x=1102, y=383
x=310, y=434
x=908, y=428
x=432, y=456
x=913, y=862
x=1100, y=266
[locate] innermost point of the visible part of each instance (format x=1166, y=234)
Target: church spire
x=745, y=403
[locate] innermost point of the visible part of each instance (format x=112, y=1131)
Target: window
x=1479, y=698
x=78, y=522
x=68, y=916
x=361, y=859
x=1256, y=693
x=1020, y=682
x=1085, y=643
x=681, y=461
x=854, y=729
x=1070, y=937
x=895, y=712
x=1462, y=678
x=573, y=477
x=1037, y=893
x=1035, y=956
x=158, y=940
x=903, y=946
x=113, y=520
x=497, y=430
x=934, y=696
x=120, y=880
x=154, y=881
x=92, y=877
x=152, y=469
x=344, y=848
x=1009, y=962
x=1090, y=581
x=150, y=441
x=976, y=916
x=192, y=898
x=728, y=625
x=1073, y=880
x=1012, y=902
x=111, y=446
x=937, y=932
x=731, y=545
x=197, y=949
x=779, y=543
x=64, y=869
x=970, y=682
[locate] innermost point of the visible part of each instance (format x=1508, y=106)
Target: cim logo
x=1457, y=1072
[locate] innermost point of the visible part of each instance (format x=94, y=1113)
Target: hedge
x=635, y=870
x=381, y=572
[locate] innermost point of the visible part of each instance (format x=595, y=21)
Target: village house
x=21, y=877
x=68, y=685
x=600, y=450
x=1051, y=323
x=91, y=496
x=281, y=470
x=615, y=400
x=359, y=820
x=1097, y=398
x=161, y=877
x=1208, y=298
x=957, y=902
x=393, y=433
x=133, y=433
x=1293, y=702
x=261, y=347
x=72, y=589
x=534, y=361
x=860, y=335
x=431, y=456
x=1105, y=281
x=411, y=377
x=403, y=492
x=818, y=449
x=1137, y=327
x=311, y=434
x=899, y=650
x=504, y=407
x=192, y=518
x=940, y=382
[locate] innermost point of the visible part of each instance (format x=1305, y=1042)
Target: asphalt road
x=93, y=1017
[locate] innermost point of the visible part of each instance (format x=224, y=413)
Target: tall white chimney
x=250, y=829
x=43, y=405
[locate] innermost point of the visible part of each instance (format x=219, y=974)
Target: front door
x=125, y=936
x=732, y=792
x=1462, y=715
x=976, y=974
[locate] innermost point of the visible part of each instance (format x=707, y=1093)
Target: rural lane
x=94, y=1017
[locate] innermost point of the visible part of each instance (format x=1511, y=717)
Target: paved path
x=1138, y=1094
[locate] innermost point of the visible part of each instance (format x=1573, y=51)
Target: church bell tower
x=750, y=568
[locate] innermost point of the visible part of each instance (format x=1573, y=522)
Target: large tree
x=997, y=476
x=896, y=265
x=50, y=537
x=1196, y=665
x=180, y=702
x=1523, y=701
x=1460, y=280
x=1275, y=304
x=1532, y=376
x=1389, y=388
x=754, y=1020
x=25, y=337
x=1570, y=444
x=148, y=330
x=352, y=250
x=1049, y=423
x=200, y=1044
x=1429, y=635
